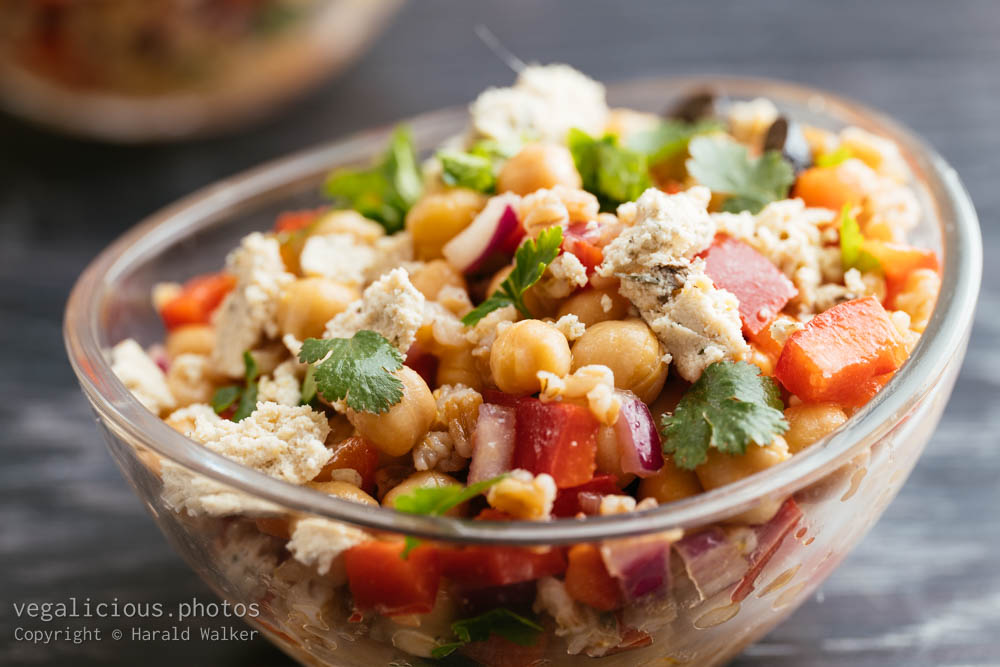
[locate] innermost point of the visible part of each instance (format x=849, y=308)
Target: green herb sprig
x=245, y=397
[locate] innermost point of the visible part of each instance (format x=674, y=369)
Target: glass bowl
x=841, y=484
x=122, y=70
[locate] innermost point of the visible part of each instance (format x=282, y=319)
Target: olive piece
x=787, y=138
x=693, y=107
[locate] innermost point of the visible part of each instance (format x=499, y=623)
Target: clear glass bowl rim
x=945, y=336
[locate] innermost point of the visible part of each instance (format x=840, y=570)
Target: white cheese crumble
x=338, y=257
x=390, y=306
x=282, y=386
x=249, y=312
x=319, y=542
x=544, y=103
x=571, y=326
x=189, y=379
x=197, y=495
x=565, y=274
x=594, y=383
x=141, y=376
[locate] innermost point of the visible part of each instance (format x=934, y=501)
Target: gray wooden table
x=923, y=588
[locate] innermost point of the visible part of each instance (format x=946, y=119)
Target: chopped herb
x=359, y=369
x=501, y=622
x=852, y=252
x=530, y=262
x=616, y=174
x=244, y=397
x=751, y=183
x=386, y=191
x=309, y=386
x=839, y=156
x=467, y=170
x=730, y=406
x=669, y=138
x=435, y=501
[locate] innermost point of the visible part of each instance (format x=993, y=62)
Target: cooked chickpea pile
x=630, y=307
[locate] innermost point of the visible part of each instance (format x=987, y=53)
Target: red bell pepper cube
x=293, y=221
x=556, y=438
x=898, y=261
x=567, y=503
x=580, y=241
x=198, y=299
x=479, y=567
x=382, y=581
x=762, y=289
x=839, y=351
x=588, y=581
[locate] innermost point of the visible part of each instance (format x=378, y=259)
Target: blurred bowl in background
x=157, y=70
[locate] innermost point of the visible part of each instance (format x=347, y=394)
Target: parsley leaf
x=730, y=406
x=501, y=622
x=839, y=156
x=244, y=397
x=852, y=252
x=467, y=170
x=358, y=369
x=387, y=190
x=616, y=174
x=530, y=262
x=751, y=183
x=670, y=138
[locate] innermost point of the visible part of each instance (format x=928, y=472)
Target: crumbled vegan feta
x=189, y=379
x=319, y=542
x=338, y=257
x=544, y=103
x=571, y=326
x=282, y=386
x=249, y=312
x=390, y=306
x=141, y=376
x=564, y=274
x=595, y=383
x=277, y=440
x=391, y=252
x=197, y=495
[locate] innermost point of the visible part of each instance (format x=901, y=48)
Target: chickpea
x=307, y=304
x=190, y=339
x=343, y=490
x=435, y=274
x=427, y=479
x=632, y=352
x=438, y=217
x=670, y=483
x=523, y=349
x=456, y=365
x=536, y=304
x=588, y=305
x=809, y=422
x=538, y=166
x=609, y=459
x=721, y=469
x=397, y=430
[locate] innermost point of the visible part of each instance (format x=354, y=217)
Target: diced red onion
x=712, y=560
x=471, y=248
x=638, y=440
x=769, y=536
x=641, y=564
x=492, y=442
x=158, y=354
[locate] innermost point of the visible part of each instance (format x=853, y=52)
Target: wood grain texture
x=923, y=589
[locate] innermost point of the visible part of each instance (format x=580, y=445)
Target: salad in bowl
x=505, y=362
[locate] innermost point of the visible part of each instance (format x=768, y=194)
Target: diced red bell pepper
x=567, y=503
x=382, y=581
x=898, y=261
x=588, y=581
x=199, y=297
x=478, y=567
x=866, y=391
x=293, y=221
x=556, y=438
x=840, y=350
x=762, y=289
x=355, y=453
x=769, y=537
x=580, y=241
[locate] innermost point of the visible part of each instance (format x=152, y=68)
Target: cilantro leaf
x=730, y=406
x=309, y=386
x=751, y=183
x=358, y=369
x=530, y=262
x=852, y=252
x=244, y=397
x=385, y=191
x=616, y=174
x=839, y=156
x=501, y=622
x=468, y=170
x=436, y=500
x=669, y=138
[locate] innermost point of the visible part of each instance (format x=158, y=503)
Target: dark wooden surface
x=922, y=589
